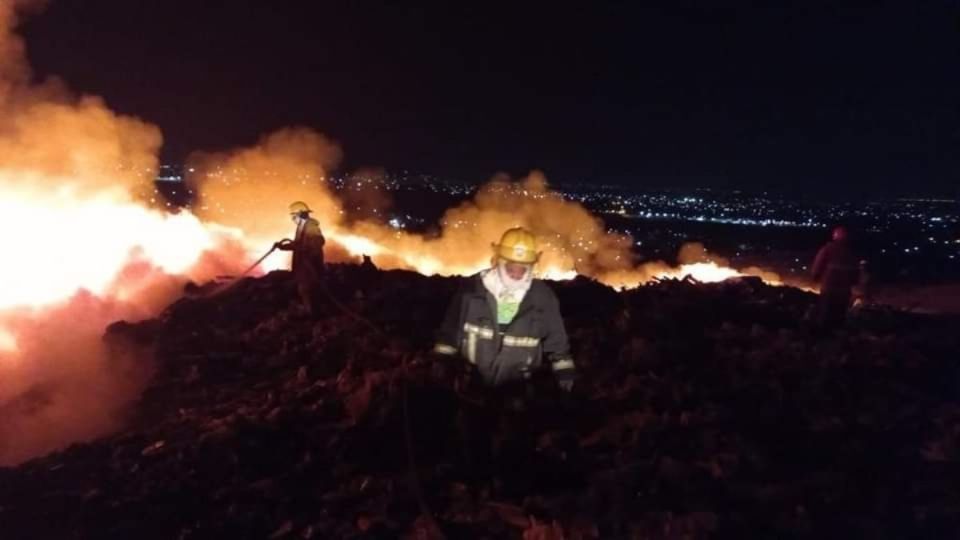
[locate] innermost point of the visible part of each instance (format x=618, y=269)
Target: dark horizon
x=804, y=98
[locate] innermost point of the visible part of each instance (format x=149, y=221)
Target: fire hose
x=407, y=429
x=408, y=433
x=236, y=279
x=261, y=259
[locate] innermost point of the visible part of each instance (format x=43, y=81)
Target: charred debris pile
x=702, y=411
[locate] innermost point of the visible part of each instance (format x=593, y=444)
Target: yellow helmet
x=517, y=245
x=298, y=207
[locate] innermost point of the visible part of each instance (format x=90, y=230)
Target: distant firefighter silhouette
x=504, y=321
x=837, y=269
x=308, y=264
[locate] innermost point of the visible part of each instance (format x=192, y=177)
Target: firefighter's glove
x=564, y=371
x=445, y=363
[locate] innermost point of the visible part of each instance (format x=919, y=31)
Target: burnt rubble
x=702, y=411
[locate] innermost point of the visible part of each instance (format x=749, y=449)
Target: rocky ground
x=703, y=411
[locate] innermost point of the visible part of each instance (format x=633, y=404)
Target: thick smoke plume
x=14, y=71
x=250, y=188
x=80, y=249
x=570, y=238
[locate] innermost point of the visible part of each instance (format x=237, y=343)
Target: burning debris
x=703, y=410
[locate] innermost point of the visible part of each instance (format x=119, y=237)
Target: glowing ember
x=357, y=245
x=705, y=272
x=429, y=266
x=557, y=274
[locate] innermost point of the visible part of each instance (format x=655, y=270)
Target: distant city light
x=657, y=220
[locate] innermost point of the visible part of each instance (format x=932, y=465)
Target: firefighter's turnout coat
x=837, y=270
x=836, y=267
x=307, y=250
x=308, y=264
x=506, y=353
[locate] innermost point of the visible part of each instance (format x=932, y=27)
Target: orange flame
x=704, y=272
x=59, y=244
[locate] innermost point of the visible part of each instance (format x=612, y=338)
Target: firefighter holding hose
x=308, y=264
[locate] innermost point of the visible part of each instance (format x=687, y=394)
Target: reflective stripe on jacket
x=470, y=328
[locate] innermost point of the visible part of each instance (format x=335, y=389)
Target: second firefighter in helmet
x=505, y=322
x=308, y=263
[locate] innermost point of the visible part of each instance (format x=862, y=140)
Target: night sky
x=860, y=98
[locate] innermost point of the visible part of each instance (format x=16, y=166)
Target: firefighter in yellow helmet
x=308, y=264
x=505, y=322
